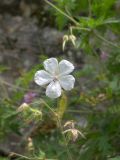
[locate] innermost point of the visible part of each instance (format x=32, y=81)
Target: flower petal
x=53, y=90
x=67, y=82
x=65, y=67
x=42, y=77
x=51, y=65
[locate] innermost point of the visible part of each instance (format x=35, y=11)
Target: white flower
x=56, y=75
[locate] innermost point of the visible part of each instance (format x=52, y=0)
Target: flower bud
x=72, y=38
x=65, y=39
x=23, y=107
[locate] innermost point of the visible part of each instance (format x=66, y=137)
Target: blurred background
x=34, y=30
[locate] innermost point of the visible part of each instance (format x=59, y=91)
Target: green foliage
x=114, y=63
x=3, y=158
x=103, y=7
x=8, y=121
x=68, y=6
x=100, y=141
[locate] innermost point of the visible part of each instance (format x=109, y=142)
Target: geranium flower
x=56, y=75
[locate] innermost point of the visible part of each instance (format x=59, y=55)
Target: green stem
x=107, y=41
x=63, y=13
x=64, y=138
x=90, y=8
x=42, y=101
x=29, y=158
x=79, y=28
x=60, y=127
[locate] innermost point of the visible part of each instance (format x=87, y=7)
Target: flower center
x=55, y=78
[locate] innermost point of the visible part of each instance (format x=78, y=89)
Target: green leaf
x=104, y=145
